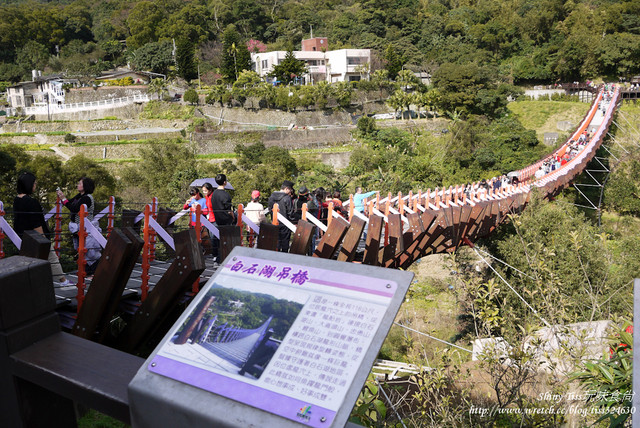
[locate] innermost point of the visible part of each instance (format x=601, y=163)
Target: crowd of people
x=561, y=157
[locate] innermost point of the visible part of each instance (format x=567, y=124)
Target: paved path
x=136, y=131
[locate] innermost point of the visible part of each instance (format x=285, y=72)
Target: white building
x=322, y=64
x=41, y=91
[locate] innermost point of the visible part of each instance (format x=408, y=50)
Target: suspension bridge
x=400, y=229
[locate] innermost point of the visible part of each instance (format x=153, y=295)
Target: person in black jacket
x=285, y=209
x=221, y=204
x=303, y=198
x=28, y=215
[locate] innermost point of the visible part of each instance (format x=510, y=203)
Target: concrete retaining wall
x=85, y=95
x=94, y=125
x=131, y=110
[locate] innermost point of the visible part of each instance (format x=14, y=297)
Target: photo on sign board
x=238, y=330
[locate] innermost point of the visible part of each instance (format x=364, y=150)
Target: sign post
x=272, y=339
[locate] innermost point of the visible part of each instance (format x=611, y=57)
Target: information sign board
x=291, y=337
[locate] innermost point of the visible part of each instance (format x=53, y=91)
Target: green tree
x=191, y=96
x=289, y=69
x=33, y=56
x=157, y=87
x=393, y=61
x=143, y=22
x=235, y=55
x=156, y=57
x=185, y=60
x=622, y=192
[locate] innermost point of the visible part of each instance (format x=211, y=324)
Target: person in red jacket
x=207, y=192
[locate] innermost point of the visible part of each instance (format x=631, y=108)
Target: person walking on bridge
x=285, y=209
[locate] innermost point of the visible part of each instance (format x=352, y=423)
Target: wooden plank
x=302, y=238
x=395, y=246
x=472, y=223
x=114, y=258
x=456, y=214
x=487, y=221
x=332, y=238
x=434, y=235
x=475, y=221
x=437, y=232
x=465, y=215
x=230, y=237
x=395, y=232
x=268, y=237
x=351, y=240
x=35, y=245
x=428, y=219
x=415, y=226
x=114, y=299
x=411, y=251
x=373, y=240
x=185, y=269
x=447, y=233
x=83, y=371
x=495, y=216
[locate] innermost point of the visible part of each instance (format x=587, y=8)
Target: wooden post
x=123, y=278
x=114, y=258
x=330, y=214
x=274, y=215
x=185, y=269
x=268, y=236
x=239, y=220
x=302, y=237
x=82, y=252
x=230, y=237
x=240, y=212
x=305, y=209
x=111, y=215
x=351, y=207
x=35, y=245
x=373, y=240
x=400, y=203
x=331, y=239
x=152, y=232
x=351, y=240
x=144, y=276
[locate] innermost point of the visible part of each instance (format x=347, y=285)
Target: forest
x=520, y=41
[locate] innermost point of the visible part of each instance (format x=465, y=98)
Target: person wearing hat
x=303, y=198
x=285, y=209
x=254, y=209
